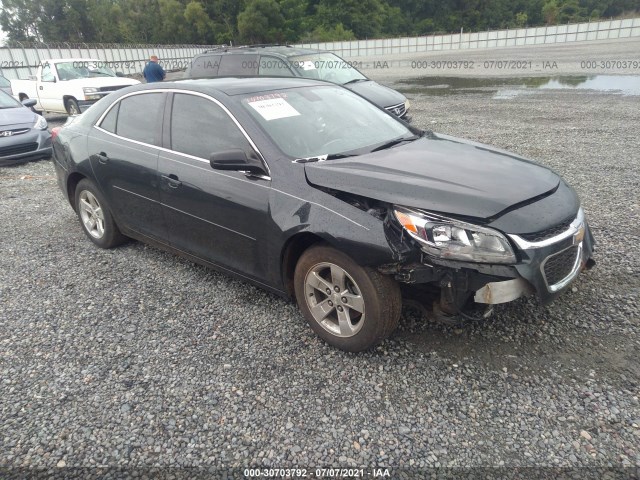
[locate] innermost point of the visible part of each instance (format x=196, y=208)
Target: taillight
x=54, y=132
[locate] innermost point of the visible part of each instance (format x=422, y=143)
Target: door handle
x=41, y=88
x=102, y=157
x=172, y=180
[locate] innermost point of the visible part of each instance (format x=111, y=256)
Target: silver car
x=23, y=134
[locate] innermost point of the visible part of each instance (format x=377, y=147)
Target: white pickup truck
x=69, y=85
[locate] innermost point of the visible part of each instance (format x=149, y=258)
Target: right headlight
x=453, y=239
x=40, y=123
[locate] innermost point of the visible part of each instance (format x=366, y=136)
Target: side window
x=204, y=66
x=241, y=64
x=199, y=127
x=274, y=66
x=109, y=121
x=47, y=74
x=140, y=117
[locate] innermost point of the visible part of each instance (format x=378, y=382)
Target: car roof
x=282, y=50
x=215, y=87
x=237, y=85
x=77, y=60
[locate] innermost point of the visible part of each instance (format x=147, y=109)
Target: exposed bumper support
x=503, y=292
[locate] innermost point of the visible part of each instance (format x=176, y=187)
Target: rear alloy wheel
x=350, y=307
x=72, y=107
x=95, y=217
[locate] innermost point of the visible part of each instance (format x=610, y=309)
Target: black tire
x=95, y=217
x=72, y=107
x=375, y=299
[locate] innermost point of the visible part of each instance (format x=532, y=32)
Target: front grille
x=548, y=233
x=112, y=88
x=14, y=132
x=16, y=149
x=560, y=265
x=398, y=110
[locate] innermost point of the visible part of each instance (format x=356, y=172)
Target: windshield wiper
x=355, y=80
x=322, y=158
x=394, y=142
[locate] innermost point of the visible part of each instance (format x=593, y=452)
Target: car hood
x=379, y=94
x=16, y=116
x=441, y=174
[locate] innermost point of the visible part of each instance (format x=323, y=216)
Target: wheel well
x=291, y=253
x=72, y=183
x=66, y=98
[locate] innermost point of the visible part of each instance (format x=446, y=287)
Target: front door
x=217, y=216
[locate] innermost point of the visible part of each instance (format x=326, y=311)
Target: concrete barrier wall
x=22, y=61
x=578, y=32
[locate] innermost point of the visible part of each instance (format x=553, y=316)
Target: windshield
x=83, y=69
x=7, y=101
x=322, y=120
x=327, y=67
x=4, y=82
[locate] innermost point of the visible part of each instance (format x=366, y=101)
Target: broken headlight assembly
x=453, y=239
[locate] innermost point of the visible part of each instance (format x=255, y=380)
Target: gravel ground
x=135, y=358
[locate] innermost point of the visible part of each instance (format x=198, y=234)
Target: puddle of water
x=511, y=87
x=624, y=84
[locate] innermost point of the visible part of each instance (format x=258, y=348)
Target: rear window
x=238, y=65
x=140, y=116
x=204, y=66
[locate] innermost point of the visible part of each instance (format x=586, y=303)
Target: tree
x=335, y=34
x=198, y=23
x=173, y=24
x=550, y=12
x=20, y=19
x=364, y=17
x=261, y=22
x=521, y=19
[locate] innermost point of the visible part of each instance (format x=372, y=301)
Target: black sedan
x=312, y=192
x=23, y=133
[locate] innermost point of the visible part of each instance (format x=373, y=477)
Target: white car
x=69, y=85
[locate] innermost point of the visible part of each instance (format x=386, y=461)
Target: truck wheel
x=72, y=107
x=350, y=307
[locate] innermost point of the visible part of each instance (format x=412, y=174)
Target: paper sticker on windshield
x=308, y=65
x=274, y=108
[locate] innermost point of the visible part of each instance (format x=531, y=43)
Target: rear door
x=124, y=157
x=214, y=215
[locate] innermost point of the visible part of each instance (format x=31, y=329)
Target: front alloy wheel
x=349, y=306
x=334, y=299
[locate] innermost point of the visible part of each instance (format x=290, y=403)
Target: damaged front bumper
x=546, y=266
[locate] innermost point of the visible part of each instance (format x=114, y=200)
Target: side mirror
x=119, y=74
x=29, y=102
x=236, y=160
